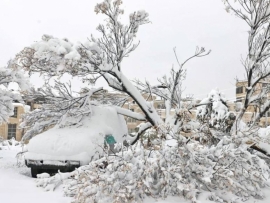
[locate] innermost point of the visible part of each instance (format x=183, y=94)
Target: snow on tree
x=98, y=57
x=256, y=14
x=63, y=106
x=10, y=74
x=170, y=89
x=213, y=109
x=163, y=162
x=102, y=57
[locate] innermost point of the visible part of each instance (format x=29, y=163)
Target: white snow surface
x=264, y=141
x=78, y=143
x=264, y=132
x=17, y=185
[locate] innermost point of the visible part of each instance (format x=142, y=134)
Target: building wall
x=159, y=105
x=132, y=123
x=13, y=120
x=251, y=110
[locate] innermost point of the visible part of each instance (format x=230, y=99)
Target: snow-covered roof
x=26, y=107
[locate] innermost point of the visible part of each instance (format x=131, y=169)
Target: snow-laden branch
x=257, y=15
x=141, y=129
x=8, y=75
x=60, y=105
x=128, y=113
x=170, y=87
x=112, y=82
x=98, y=57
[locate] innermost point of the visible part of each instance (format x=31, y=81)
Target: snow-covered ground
x=17, y=185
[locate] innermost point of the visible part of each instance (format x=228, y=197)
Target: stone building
x=252, y=110
x=11, y=129
x=159, y=105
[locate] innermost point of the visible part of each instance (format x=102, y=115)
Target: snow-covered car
x=66, y=148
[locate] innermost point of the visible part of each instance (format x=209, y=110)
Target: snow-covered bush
x=214, y=111
x=186, y=169
x=183, y=170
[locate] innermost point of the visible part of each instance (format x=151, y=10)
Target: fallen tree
x=162, y=162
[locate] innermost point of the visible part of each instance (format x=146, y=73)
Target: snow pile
x=83, y=142
x=263, y=139
x=264, y=132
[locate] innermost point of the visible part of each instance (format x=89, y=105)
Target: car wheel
x=34, y=172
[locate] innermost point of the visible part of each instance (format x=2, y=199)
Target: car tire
x=34, y=172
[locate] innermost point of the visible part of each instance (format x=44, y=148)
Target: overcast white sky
x=174, y=23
